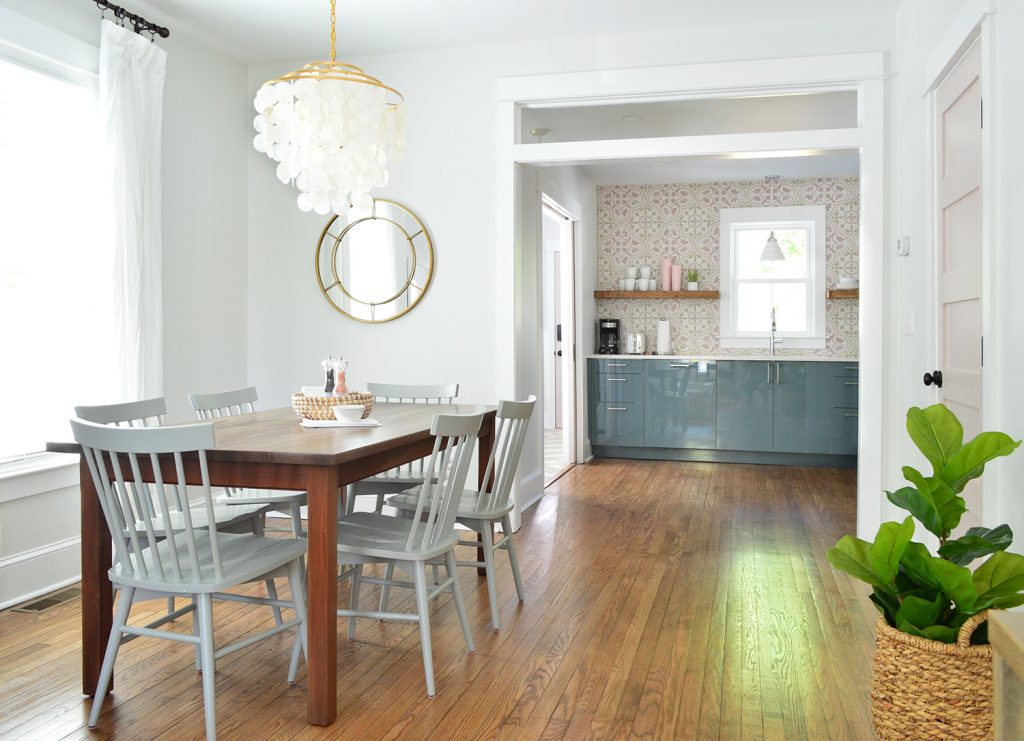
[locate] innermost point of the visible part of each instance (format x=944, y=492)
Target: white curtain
x=131, y=89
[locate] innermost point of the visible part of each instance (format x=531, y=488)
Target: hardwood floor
x=664, y=599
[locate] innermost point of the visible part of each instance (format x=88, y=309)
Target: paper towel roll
x=664, y=339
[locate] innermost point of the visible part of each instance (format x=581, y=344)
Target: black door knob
x=933, y=377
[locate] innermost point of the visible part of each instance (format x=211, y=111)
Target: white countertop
x=709, y=358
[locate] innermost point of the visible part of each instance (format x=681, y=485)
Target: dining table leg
x=97, y=592
x=485, y=442
x=322, y=594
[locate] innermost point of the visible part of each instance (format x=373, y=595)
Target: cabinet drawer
x=844, y=431
x=846, y=393
x=618, y=387
x=617, y=424
x=616, y=365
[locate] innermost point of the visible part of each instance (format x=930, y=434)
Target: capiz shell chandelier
x=332, y=129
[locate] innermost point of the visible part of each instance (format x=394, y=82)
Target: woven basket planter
x=322, y=407
x=925, y=689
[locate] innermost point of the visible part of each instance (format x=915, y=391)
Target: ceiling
x=841, y=163
x=274, y=30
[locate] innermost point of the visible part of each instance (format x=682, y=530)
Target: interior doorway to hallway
x=557, y=318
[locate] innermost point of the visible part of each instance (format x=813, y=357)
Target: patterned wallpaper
x=639, y=224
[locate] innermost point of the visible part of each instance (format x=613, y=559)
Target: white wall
x=206, y=115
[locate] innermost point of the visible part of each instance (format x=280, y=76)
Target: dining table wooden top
x=275, y=435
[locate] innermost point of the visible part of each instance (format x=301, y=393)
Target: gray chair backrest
x=513, y=419
x=145, y=413
x=438, y=502
x=224, y=403
x=441, y=393
x=108, y=451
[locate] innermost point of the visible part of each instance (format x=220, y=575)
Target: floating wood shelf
x=656, y=294
x=844, y=293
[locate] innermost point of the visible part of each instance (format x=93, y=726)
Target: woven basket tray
x=322, y=407
x=930, y=690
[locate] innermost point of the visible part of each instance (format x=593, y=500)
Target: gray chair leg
x=379, y=506
x=419, y=570
x=492, y=586
x=295, y=583
x=296, y=519
x=357, y=580
x=435, y=573
x=195, y=632
x=209, y=669
x=272, y=593
x=385, y=590
x=460, y=607
x=350, y=499
x=124, y=604
x=513, y=557
x=170, y=605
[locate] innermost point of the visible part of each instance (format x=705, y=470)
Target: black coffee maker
x=608, y=336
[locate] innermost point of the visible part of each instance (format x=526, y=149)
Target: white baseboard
x=531, y=489
x=35, y=572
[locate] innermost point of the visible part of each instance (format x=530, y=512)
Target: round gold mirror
x=375, y=266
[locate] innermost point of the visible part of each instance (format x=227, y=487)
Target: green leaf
x=1000, y=579
x=956, y=582
x=852, y=556
x=887, y=604
x=975, y=543
x=918, y=612
x=947, y=503
x=969, y=462
x=936, y=432
x=940, y=633
x=920, y=505
x=916, y=564
x=885, y=553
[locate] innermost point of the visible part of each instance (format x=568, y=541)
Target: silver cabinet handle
x=769, y=367
x=616, y=379
x=851, y=414
x=616, y=409
x=852, y=367
x=618, y=365
x=852, y=383
x=679, y=365
x=778, y=371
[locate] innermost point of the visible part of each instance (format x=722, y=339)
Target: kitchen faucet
x=773, y=340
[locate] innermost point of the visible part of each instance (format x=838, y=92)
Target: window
x=55, y=265
x=793, y=287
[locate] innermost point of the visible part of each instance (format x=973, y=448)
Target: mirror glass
x=375, y=266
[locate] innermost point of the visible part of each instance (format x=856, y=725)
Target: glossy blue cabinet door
x=615, y=423
x=810, y=400
x=680, y=405
x=744, y=405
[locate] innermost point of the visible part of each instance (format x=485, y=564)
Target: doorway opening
x=557, y=332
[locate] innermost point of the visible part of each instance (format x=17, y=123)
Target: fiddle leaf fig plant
x=933, y=595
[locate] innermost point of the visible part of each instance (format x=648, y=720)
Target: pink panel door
x=958, y=125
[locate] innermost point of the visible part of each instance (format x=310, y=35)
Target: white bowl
x=348, y=412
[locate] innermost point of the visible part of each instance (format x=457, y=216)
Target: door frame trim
x=864, y=73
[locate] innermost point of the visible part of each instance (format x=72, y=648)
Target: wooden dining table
x=270, y=450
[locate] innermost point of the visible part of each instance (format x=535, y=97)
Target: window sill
x=787, y=343
x=41, y=474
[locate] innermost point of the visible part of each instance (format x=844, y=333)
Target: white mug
x=630, y=284
x=622, y=284
x=641, y=284
x=645, y=271
x=652, y=285
x=631, y=273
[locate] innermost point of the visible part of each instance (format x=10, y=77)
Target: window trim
x=769, y=217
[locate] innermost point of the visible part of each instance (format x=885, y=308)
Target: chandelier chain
x=333, y=34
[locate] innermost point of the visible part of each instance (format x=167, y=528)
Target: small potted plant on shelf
x=933, y=664
x=691, y=279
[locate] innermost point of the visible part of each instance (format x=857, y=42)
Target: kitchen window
x=794, y=287
x=56, y=266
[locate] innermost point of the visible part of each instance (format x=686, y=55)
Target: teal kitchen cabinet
x=615, y=397
x=680, y=408
x=615, y=423
x=744, y=405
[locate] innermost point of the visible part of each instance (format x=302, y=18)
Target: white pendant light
x=772, y=252
x=333, y=129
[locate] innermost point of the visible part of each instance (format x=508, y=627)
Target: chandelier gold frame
x=334, y=70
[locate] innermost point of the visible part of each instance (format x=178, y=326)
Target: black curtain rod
x=140, y=24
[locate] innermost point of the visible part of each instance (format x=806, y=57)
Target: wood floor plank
x=663, y=600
